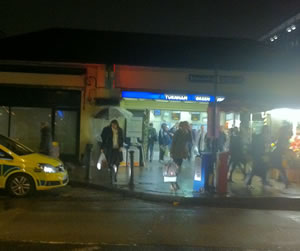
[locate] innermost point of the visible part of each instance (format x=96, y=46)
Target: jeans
x=150, y=149
x=162, y=150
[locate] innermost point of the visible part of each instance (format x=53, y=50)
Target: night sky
x=222, y=18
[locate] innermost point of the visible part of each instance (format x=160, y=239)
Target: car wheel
x=20, y=185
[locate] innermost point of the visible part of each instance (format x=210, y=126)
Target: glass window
x=66, y=131
x=4, y=116
x=26, y=123
x=14, y=146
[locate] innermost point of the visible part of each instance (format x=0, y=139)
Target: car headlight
x=47, y=168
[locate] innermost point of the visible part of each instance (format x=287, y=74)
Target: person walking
x=259, y=151
x=152, y=138
x=164, y=140
x=282, y=146
x=46, y=139
x=112, y=143
x=236, y=153
x=180, y=148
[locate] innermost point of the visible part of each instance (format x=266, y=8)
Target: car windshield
x=14, y=146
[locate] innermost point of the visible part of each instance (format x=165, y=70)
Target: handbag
x=102, y=162
x=170, y=171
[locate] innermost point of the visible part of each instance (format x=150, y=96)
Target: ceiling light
x=288, y=29
x=275, y=37
x=293, y=27
x=271, y=39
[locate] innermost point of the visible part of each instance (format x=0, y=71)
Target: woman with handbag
x=112, y=143
x=179, y=148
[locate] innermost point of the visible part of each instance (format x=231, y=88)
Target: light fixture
x=272, y=39
x=293, y=27
x=275, y=37
x=288, y=29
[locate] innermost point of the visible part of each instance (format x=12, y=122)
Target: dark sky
x=217, y=18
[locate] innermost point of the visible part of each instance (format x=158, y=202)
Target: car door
x=6, y=166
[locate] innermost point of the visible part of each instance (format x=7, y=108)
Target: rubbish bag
x=102, y=162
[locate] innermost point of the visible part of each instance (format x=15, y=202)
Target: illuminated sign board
x=176, y=97
x=170, y=97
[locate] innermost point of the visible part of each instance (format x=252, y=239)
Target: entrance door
x=66, y=132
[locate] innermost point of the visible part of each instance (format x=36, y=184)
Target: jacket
x=107, y=142
x=179, y=147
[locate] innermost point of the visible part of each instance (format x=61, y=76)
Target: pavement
x=149, y=185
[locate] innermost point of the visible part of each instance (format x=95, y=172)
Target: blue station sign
x=171, y=97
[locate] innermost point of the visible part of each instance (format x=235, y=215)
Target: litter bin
x=203, y=170
x=54, y=152
x=222, y=171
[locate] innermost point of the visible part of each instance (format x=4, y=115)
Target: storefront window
x=4, y=116
x=25, y=125
x=65, y=131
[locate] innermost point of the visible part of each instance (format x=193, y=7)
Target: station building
x=67, y=76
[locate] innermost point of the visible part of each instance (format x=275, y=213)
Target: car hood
x=36, y=158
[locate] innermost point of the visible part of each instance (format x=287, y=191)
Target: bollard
x=131, y=181
x=88, y=151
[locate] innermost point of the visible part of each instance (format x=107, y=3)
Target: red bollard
x=222, y=172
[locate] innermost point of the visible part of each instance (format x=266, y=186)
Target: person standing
x=173, y=129
x=46, y=139
x=112, y=143
x=164, y=140
x=152, y=138
x=201, y=140
x=221, y=140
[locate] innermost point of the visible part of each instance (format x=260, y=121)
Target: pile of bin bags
x=170, y=171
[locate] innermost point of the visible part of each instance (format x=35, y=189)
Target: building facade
x=67, y=89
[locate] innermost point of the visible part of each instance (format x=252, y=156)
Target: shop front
x=159, y=108
x=22, y=109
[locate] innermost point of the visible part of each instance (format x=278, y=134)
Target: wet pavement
x=149, y=179
x=84, y=219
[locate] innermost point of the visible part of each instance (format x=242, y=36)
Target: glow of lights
x=293, y=27
x=275, y=37
x=288, y=29
x=164, y=97
x=272, y=39
x=291, y=115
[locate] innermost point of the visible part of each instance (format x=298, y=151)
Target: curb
x=262, y=203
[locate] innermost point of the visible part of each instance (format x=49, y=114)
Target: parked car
x=22, y=171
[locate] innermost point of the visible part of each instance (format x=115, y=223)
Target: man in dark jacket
x=221, y=140
x=164, y=140
x=112, y=143
x=152, y=138
x=236, y=152
x=259, y=151
x=46, y=139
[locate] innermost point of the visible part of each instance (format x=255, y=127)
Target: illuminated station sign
x=171, y=97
